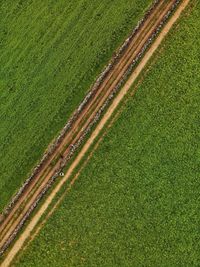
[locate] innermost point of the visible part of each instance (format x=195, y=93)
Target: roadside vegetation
x=50, y=53
x=137, y=201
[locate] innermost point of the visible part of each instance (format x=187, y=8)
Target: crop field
x=137, y=201
x=40, y=182
x=50, y=54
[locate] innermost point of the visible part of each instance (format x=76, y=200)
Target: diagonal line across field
x=83, y=121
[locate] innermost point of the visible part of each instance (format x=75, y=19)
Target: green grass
x=50, y=53
x=137, y=201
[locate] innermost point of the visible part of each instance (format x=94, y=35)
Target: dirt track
x=87, y=119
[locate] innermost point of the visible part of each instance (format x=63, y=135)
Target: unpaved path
x=19, y=243
x=34, y=191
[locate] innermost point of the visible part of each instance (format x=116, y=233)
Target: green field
x=50, y=53
x=137, y=201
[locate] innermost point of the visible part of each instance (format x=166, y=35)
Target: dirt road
x=119, y=71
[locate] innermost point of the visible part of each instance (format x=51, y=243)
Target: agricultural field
x=50, y=53
x=136, y=203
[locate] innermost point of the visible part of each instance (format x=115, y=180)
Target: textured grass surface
x=50, y=53
x=137, y=201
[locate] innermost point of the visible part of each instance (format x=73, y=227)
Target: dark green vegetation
x=137, y=201
x=50, y=53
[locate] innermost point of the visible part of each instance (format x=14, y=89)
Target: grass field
x=137, y=201
x=50, y=53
